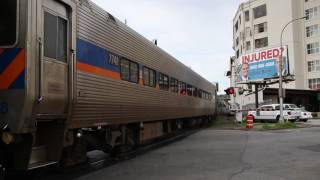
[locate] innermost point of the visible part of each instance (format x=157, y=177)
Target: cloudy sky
x=198, y=33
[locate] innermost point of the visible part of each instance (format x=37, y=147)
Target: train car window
x=55, y=37
x=200, y=93
x=8, y=22
x=146, y=76
x=189, y=90
x=152, y=78
x=179, y=85
x=149, y=77
x=134, y=72
x=176, y=86
x=50, y=35
x=124, y=66
x=62, y=39
x=204, y=95
x=195, y=92
x=183, y=90
x=163, y=82
x=160, y=80
x=166, y=82
x=172, y=81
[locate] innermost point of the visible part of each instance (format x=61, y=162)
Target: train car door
x=55, y=38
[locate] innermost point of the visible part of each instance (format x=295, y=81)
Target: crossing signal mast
x=231, y=90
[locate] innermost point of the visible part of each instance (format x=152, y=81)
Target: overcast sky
x=197, y=33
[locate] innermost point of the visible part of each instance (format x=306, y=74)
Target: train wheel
x=75, y=154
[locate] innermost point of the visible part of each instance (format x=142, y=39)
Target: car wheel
x=277, y=119
x=305, y=120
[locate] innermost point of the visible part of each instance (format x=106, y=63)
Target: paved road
x=226, y=155
x=313, y=122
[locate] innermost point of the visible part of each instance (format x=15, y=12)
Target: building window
x=314, y=83
x=260, y=43
x=313, y=30
x=314, y=66
x=163, y=82
x=313, y=48
x=248, y=46
x=236, y=26
x=248, y=32
x=149, y=77
x=250, y=88
x=259, y=11
x=312, y=12
x=237, y=41
x=260, y=28
x=239, y=19
x=174, y=85
x=129, y=71
x=246, y=16
x=237, y=54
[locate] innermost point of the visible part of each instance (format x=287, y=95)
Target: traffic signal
x=229, y=90
x=240, y=90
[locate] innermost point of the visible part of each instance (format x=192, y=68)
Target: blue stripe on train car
x=94, y=55
x=19, y=82
x=7, y=57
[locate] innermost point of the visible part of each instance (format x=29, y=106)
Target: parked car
x=271, y=113
x=305, y=115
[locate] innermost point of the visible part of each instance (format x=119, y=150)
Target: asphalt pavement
x=213, y=154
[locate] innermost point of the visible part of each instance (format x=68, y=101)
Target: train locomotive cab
x=36, y=51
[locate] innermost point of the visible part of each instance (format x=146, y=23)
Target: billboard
x=263, y=64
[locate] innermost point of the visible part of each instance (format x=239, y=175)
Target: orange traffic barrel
x=249, y=124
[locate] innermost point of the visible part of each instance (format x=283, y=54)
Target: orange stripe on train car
x=11, y=73
x=98, y=71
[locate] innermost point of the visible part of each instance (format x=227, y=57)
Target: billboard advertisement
x=263, y=64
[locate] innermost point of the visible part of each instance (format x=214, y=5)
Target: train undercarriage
x=51, y=144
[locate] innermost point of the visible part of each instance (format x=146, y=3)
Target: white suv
x=272, y=113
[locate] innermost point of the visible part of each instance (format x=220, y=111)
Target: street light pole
x=281, y=119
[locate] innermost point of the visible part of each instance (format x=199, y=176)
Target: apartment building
x=257, y=26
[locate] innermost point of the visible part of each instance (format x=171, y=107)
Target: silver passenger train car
x=73, y=78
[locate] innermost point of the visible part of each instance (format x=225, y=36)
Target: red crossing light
x=229, y=90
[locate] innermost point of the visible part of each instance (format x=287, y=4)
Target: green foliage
x=274, y=126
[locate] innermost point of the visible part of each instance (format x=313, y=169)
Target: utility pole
x=281, y=119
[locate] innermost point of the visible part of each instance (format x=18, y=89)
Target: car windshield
x=293, y=106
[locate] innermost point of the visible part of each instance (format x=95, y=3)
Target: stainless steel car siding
x=94, y=27
x=105, y=100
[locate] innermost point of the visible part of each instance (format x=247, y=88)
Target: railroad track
x=102, y=160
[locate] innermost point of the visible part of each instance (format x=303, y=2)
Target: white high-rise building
x=257, y=26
